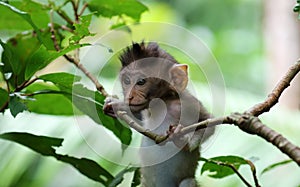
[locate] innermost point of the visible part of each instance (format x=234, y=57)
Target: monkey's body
x=154, y=87
x=176, y=165
x=172, y=172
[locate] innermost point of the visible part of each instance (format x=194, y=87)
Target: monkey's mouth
x=138, y=106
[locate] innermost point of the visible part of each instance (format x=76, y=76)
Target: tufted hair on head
x=139, y=51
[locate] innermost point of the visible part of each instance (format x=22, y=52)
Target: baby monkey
x=154, y=87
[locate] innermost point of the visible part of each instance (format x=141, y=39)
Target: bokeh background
x=254, y=42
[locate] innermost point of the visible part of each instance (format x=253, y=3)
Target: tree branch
x=99, y=86
x=85, y=5
x=65, y=17
x=273, y=98
x=75, y=9
x=253, y=125
x=74, y=61
x=133, y=124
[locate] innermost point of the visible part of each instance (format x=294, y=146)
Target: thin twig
x=31, y=81
x=64, y=27
x=74, y=61
x=83, y=9
x=253, y=169
x=25, y=84
x=99, y=87
x=237, y=172
x=75, y=9
x=52, y=31
x=65, y=16
x=125, y=117
x=273, y=98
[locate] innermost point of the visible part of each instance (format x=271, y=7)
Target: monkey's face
x=149, y=78
x=141, y=83
x=139, y=89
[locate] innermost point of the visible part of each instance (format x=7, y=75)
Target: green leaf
x=89, y=168
x=88, y=102
x=16, y=106
x=91, y=103
x=131, y=8
x=82, y=29
x=3, y=98
x=41, y=144
x=26, y=17
x=39, y=59
x=38, y=12
x=217, y=165
x=16, y=52
x=50, y=96
x=120, y=176
x=42, y=57
x=11, y=61
x=44, y=145
x=275, y=165
x=61, y=79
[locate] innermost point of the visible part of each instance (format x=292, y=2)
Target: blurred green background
x=235, y=32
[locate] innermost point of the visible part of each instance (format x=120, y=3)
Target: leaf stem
x=253, y=170
x=25, y=84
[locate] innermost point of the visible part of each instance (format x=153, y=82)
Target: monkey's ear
x=179, y=76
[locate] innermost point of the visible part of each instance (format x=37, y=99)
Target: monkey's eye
x=141, y=82
x=126, y=80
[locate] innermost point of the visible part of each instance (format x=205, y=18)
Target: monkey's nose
x=130, y=98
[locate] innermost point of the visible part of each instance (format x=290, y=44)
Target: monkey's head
x=149, y=72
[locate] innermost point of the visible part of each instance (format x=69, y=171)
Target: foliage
x=216, y=165
x=44, y=41
x=40, y=39
x=44, y=145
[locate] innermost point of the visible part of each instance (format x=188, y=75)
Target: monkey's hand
x=112, y=105
x=181, y=141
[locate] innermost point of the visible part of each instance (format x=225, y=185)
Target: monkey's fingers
x=174, y=134
x=111, y=114
x=108, y=110
x=174, y=130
